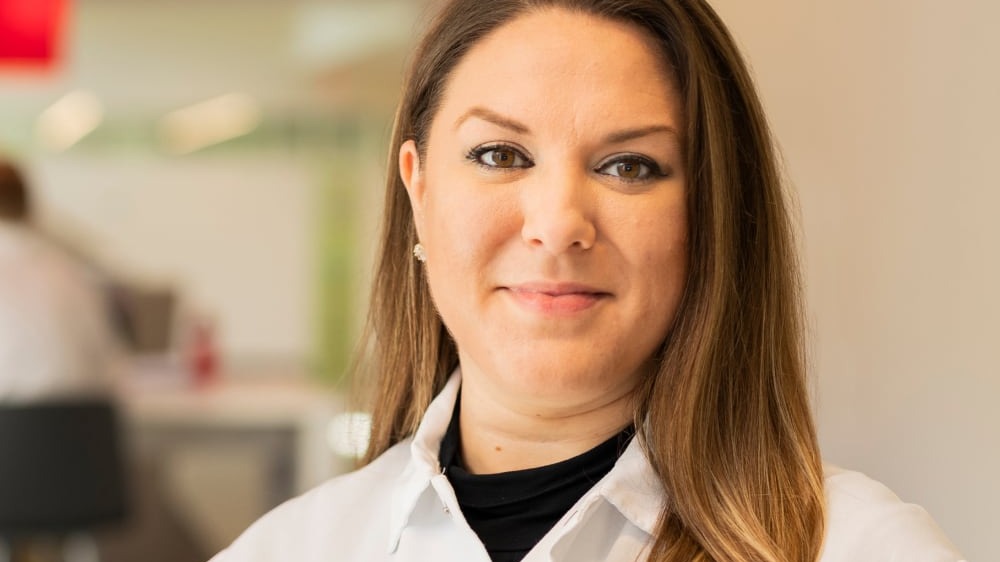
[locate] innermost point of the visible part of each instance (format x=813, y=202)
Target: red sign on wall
x=30, y=32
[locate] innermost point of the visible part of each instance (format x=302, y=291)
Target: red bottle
x=203, y=360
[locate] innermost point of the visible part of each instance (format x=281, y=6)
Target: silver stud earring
x=420, y=253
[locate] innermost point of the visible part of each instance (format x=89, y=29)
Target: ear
x=413, y=178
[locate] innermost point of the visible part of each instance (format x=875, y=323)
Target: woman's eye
x=505, y=157
x=631, y=168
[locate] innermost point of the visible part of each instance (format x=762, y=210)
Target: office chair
x=62, y=471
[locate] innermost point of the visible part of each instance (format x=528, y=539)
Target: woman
x=601, y=249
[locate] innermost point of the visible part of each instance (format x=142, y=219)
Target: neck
x=501, y=433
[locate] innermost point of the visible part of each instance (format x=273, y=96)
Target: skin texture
x=557, y=276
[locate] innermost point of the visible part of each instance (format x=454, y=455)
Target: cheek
x=661, y=256
x=465, y=231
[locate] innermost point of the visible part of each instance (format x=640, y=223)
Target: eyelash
x=476, y=154
x=655, y=172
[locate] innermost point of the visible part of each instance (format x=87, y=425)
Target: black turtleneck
x=512, y=511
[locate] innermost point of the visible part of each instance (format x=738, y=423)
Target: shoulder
x=343, y=511
x=18, y=247
x=29, y=258
x=867, y=522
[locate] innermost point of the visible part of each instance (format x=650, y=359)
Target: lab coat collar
x=423, y=465
x=632, y=486
x=634, y=489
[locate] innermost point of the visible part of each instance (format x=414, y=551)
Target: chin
x=581, y=376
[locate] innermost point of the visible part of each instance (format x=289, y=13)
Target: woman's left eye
x=630, y=168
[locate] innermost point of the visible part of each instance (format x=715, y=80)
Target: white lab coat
x=401, y=508
x=55, y=338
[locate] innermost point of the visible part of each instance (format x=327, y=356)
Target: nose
x=558, y=213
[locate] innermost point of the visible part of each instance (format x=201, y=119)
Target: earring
x=420, y=253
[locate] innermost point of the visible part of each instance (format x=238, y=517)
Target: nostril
x=558, y=216
x=560, y=236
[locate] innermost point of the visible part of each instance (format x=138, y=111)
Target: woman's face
x=551, y=205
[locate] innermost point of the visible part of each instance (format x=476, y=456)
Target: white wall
x=236, y=233
x=887, y=114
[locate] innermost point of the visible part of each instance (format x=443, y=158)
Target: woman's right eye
x=499, y=156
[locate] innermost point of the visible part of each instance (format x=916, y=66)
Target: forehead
x=559, y=65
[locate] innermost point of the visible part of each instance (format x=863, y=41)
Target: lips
x=557, y=298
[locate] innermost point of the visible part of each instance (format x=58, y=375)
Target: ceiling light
x=68, y=120
x=210, y=122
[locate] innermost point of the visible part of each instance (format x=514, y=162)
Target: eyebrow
x=630, y=134
x=616, y=137
x=495, y=118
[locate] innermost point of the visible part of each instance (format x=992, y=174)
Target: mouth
x=557, y=298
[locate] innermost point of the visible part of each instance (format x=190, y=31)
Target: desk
x=229, y=451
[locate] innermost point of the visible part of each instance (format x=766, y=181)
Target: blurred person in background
x=55, y=337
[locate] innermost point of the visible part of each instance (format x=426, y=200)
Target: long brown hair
x=726, y=421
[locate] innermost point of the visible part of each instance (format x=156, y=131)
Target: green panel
x=338, y=248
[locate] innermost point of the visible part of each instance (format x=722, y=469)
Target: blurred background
x=218, y=165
